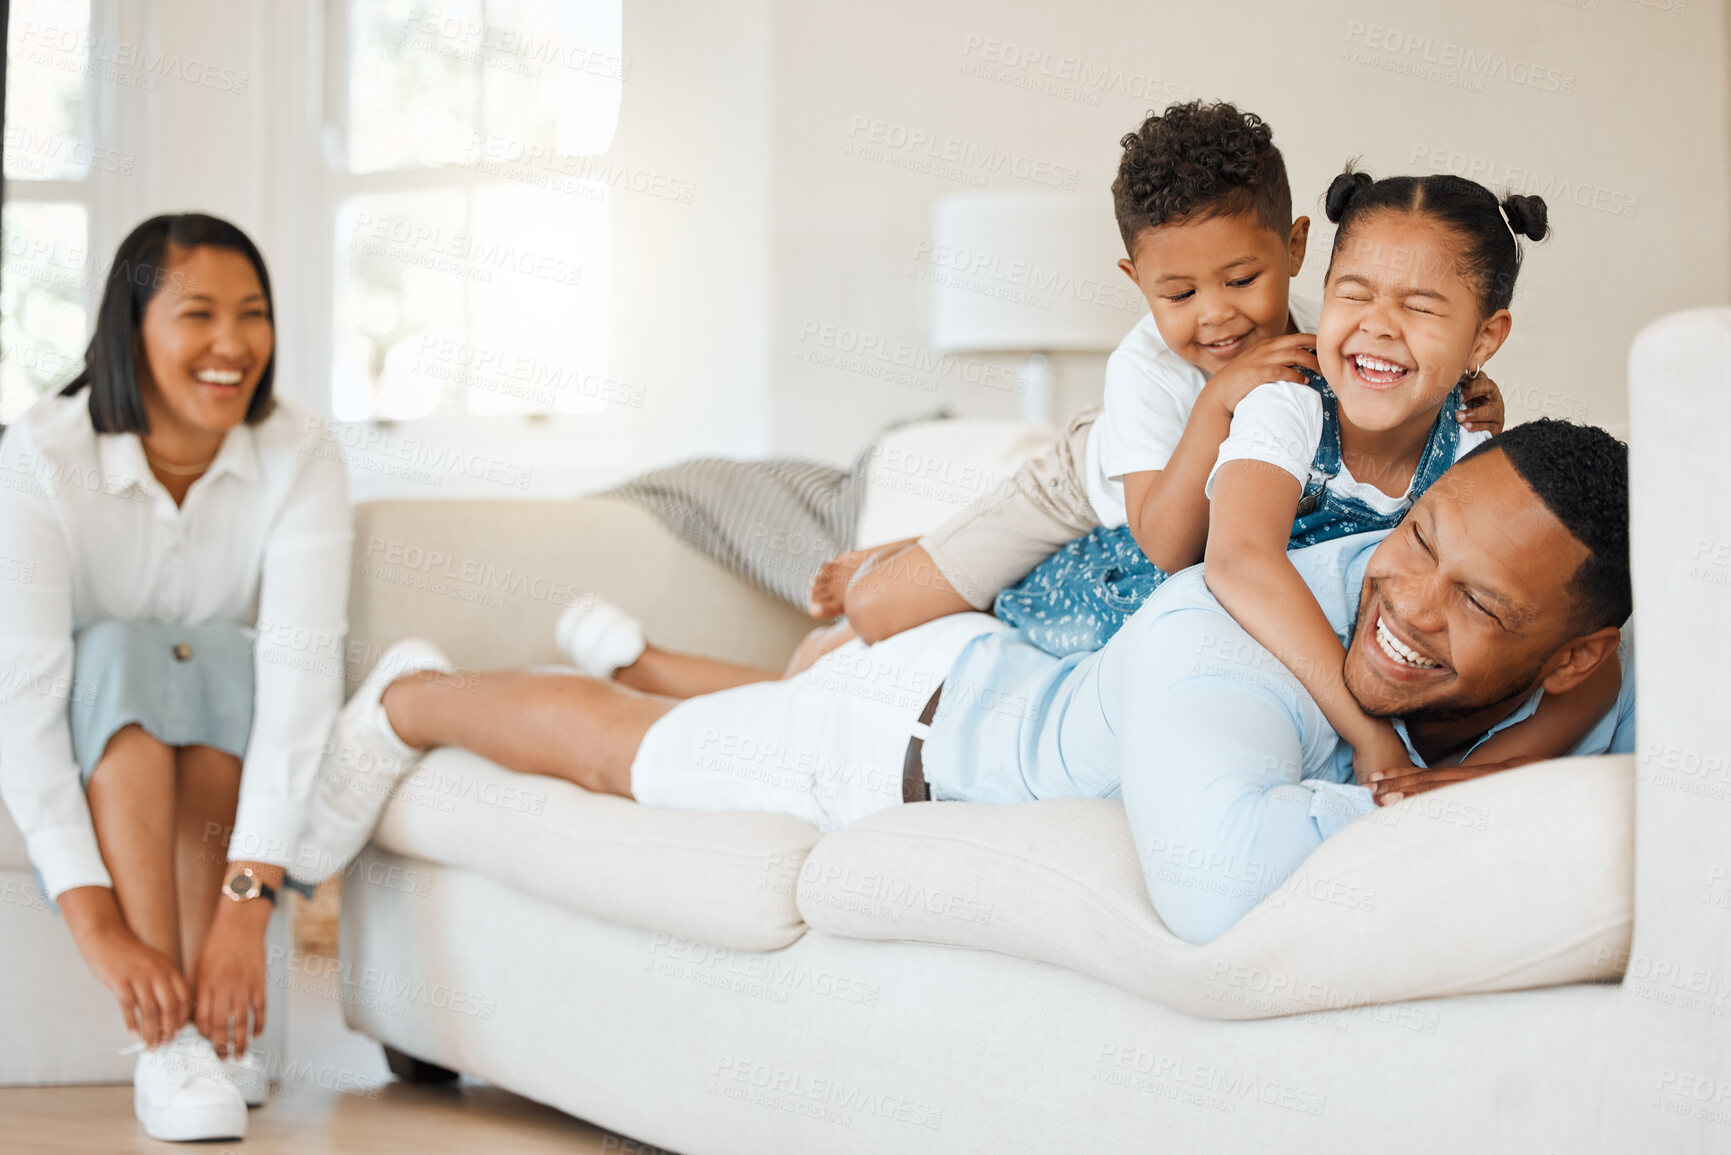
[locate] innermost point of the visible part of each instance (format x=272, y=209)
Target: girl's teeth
x=1400, y=651
x=1375, y=365
x=219, y=376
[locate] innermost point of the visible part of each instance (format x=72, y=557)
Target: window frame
x=561, y=454
x=110, y=199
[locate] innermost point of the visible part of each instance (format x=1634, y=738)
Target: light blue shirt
x=1229, y=772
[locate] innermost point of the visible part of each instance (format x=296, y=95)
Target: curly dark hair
x=1581, y=473
x=1491, y=256
x=1200, y=160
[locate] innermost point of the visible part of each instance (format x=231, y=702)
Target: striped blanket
x=772, y=522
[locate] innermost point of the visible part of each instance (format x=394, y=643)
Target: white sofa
x=948, y=978
x=954, y=978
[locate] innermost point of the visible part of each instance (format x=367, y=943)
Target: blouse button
x=182, y=652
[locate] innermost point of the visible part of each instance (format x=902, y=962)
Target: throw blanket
x=772, y=522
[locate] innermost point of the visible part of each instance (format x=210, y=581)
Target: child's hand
x=1391, y=786
x=1278, y=359
x=1481, y=406
x=1379, y=758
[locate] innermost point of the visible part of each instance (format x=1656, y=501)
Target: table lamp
x=1032, y=273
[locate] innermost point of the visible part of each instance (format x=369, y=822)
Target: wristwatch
x=243, y=884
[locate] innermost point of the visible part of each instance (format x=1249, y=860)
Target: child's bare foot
x=829, y=587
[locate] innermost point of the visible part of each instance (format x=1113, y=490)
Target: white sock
x=599, y=637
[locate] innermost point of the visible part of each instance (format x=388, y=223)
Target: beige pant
x=1044, y=505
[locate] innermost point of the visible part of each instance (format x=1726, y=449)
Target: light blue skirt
x=184, y=685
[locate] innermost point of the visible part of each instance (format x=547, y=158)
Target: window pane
x=47, y=59
x=481, y=82
x=414, y=83
x=542, y=310
x=398, y=284
x=488, y=302
x=44, y=304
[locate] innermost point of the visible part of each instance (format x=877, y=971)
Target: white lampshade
x=1028, y=272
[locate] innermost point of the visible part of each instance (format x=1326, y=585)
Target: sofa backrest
x=486, y=580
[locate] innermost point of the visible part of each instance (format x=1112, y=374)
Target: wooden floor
x=339, y=1098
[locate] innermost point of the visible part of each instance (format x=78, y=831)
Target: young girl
x=172, y=511
x=1416, y=301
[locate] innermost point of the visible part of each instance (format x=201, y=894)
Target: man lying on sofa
x=1509, y=577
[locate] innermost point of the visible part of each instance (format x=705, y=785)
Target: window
x=49, y=281
x=470, y=271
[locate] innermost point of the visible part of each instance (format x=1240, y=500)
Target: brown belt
x=914, y=785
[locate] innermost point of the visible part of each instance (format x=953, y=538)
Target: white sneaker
x=363, y=762
x=180, y=1095
x=247, y=1075
x=598, y=636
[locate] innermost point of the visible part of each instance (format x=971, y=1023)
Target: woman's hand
x=231, y=976
x=1481, y=406
x=154, y=998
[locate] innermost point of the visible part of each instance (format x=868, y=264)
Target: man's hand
x=231, y=975
x=153, y=997
x=1481, y=406
x=1278, y=359
x=1391, y=786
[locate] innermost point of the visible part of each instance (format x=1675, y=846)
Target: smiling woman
x=188, y=539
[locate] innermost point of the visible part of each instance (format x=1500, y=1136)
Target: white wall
x=719, y=305
x=1643, y=128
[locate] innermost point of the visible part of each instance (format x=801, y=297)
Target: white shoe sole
x=184, y=1125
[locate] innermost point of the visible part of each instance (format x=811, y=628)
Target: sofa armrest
x=486, y=580
x=1675, y=1035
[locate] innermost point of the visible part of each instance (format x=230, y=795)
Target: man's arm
x=1211, y=764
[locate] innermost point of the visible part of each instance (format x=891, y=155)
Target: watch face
x=241, y=885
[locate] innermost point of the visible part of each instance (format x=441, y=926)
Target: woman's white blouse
x=87, y=533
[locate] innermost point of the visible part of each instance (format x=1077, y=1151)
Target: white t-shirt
x=1150, y=391
x=1281, y=423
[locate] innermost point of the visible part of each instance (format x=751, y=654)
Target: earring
x=1470, y=376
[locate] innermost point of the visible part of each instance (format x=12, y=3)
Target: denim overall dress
x=1080, y=596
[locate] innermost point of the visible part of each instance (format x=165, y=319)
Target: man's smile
x=1393, y=655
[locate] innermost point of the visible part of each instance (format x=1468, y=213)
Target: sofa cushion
x=726, y=879
x=1520, y=879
